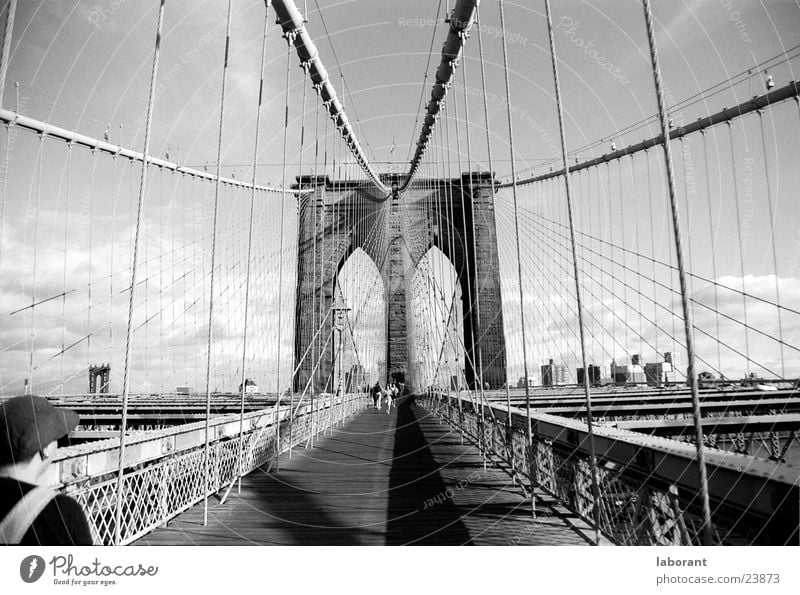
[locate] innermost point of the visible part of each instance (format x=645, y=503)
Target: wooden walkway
x=396, y=479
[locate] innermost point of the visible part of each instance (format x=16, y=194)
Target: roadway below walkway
x=382, y=479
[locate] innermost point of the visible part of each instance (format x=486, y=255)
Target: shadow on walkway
x=301, y=516
x=414, y=483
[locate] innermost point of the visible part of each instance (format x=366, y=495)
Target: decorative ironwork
x=635, y=508
x=156, y=489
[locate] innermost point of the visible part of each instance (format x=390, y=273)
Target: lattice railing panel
x=155, y=491
x=633, y=509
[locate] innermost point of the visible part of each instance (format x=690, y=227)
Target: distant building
x=654, y=373
x=659, y=373
x=560, y=374
x=184, y=390
x=674, y=359
x=618, y=373
x=594, y=375
x=636, y=375
x=628, y=374
x=554, y=374
x=547, y=374
x=605, y=375
x=673, y=374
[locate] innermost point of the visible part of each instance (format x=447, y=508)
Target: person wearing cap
x=32, y=514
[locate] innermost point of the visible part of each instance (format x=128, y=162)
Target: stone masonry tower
x=338, y=217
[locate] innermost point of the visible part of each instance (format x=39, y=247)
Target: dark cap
x=28, y=424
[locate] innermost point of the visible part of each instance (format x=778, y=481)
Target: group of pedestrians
x=386, y=396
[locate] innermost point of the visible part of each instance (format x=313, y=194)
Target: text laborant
x=681, y=561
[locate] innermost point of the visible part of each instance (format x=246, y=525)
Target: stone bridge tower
x=338, y=217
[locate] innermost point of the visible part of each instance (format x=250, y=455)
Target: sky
x=85, y=66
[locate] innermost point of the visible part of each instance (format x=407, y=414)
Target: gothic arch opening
x=435, y=323
x=360, y=322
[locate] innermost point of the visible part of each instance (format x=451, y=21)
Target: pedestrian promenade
x=401, y=478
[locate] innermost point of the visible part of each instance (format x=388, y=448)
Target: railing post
x=461, y=421
x=164, y=489
x=331, y=401
x=277, y=436
x=291, y=423
x=533, y=472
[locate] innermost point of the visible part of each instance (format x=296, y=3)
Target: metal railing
x=164, y=468
x=648, y=492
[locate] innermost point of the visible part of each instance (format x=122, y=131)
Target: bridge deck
x=380, y=480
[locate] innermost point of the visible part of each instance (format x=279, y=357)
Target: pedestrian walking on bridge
x=376, y=395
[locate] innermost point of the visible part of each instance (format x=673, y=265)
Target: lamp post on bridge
x=339, y=322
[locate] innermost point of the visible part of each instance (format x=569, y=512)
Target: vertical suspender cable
x=91, y=227
x=478, y=404
x=446, y=223
x=477, y=357
x=297, y=264
x=161, y=271
x=474, y=398
x=707, y=529
x=445, y=112
x=653, y=246
x=476, y=287
x=639, y=252
x=314, y=264
x=713, y=250
x=529, y=432
x=321, y=287
x=64, y=272
x=336, y=347
x=771, y=207
x=578, y=300
x=449, y=208
x=435, y=210
x=5, y=57
x=177, y=179
x=440, y=228
x=117, y=188
x=491, y=181
x=740, y=250
x=29, y=386
x=10, y=132
x=624, y=243
x=213, y=265
x=134, y=264
x=289, y=38
x=296, y=254
x=250, y=239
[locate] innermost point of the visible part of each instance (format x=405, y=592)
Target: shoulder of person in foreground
x=62, y=522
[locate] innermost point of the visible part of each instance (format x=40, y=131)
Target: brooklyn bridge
x=450, y=272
